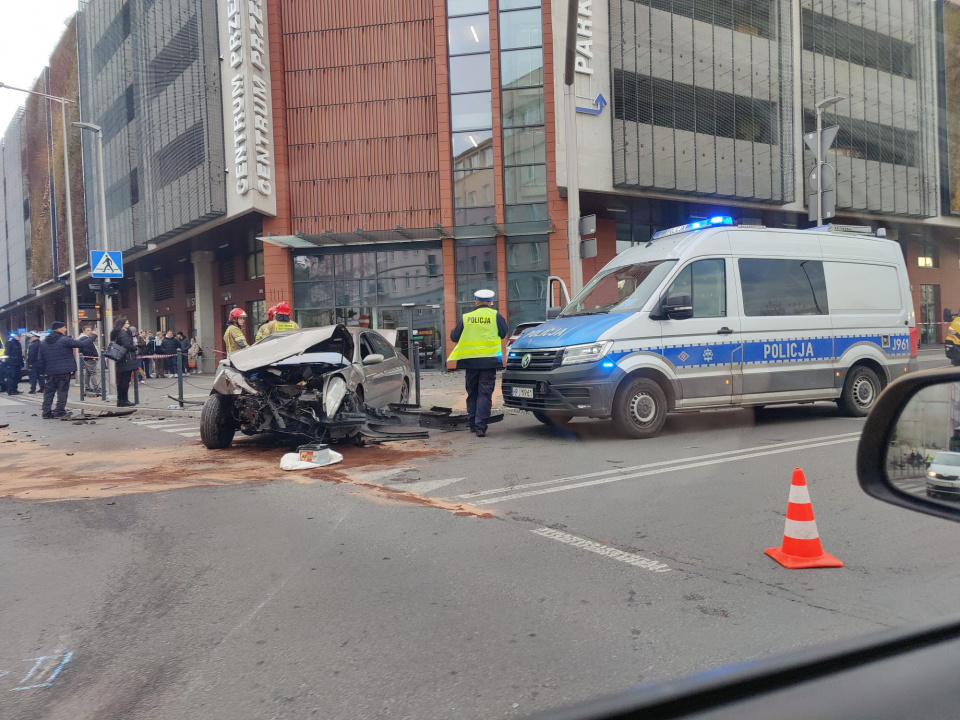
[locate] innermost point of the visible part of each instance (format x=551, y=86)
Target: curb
x=140, y=410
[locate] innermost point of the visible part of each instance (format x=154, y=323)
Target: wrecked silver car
x=325, y=383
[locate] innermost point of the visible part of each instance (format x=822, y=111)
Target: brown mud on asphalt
x=46, y=472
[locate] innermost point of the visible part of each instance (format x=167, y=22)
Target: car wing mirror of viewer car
x=909, y=453
x=677, y=306
x=373, y=359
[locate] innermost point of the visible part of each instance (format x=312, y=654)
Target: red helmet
x=271, y=312
x=283, y=308
x=237, y=313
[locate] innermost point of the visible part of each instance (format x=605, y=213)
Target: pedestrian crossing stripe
x=106, y=263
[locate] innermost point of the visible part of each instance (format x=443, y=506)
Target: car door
x=384, y=378
x=704, y=350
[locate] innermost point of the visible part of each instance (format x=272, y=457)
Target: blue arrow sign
x=600, y=102
x=106, y=264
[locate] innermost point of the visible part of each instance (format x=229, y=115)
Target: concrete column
x=206, y=306
x=146, y=309
x=49, y=314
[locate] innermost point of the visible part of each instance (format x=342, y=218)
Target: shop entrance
x=416, y=324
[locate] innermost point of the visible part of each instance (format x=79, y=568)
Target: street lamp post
x=74, y=311
x=107, y=299
x=573, y=167
x=820, y=108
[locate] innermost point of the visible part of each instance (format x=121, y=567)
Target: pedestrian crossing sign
x=106, y=264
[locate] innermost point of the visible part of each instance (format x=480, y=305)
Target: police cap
x=484, y=295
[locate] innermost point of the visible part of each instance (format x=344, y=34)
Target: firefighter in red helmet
x=233, y=338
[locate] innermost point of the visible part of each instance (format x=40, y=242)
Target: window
x=521, y=68
x=470, y=73
x=471, y=111
x=929, y=313
x=256, y=314
x=466, y=7
x=381, y=346
x=783, y=287
x=468, y=35
x=928, y=255
x=521, y=29
x=705, y=282
x=523, y=107
x=254, y=259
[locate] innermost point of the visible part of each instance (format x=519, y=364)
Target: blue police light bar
x=715, y=221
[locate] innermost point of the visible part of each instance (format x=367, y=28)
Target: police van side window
x=705, y=282
x=783, y=287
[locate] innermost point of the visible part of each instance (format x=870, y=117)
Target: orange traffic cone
x=801, y=541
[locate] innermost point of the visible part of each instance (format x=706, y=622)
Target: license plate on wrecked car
x=522, y=392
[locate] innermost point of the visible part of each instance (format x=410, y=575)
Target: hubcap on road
x=863, y=392
x=643, y=408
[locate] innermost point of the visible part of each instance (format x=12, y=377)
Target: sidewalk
x=443, y=389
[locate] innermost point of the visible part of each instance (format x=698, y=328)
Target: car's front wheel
x=217, y=425
x=640, y=408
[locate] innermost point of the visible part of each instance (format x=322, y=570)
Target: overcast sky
x=28, y=33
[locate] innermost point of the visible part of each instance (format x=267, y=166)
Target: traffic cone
x=801, y=541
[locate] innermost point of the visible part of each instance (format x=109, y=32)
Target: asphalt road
x=606, y=563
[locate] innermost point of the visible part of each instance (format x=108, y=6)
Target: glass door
x=417, y=324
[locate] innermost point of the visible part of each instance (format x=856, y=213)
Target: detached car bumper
x=579, y=390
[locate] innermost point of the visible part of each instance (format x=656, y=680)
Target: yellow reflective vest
x=480, y=338
x=233, y=339
x=273, y=326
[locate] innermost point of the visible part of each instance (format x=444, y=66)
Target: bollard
x=103, y=377
x=180, y=377
x=81, y=370
x=136, y=386
x=416, y=371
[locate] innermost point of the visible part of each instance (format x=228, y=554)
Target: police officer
x=33, y=350
x=260, y=334
x=480, y=353
x=233, y=337
x=14, y=364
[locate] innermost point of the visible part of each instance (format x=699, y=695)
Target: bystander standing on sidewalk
x=143, y=348
x=33, y=372
x=128, y=364
x=193, y=356
x=91, y=364
x=169, y=346
x=55, y=361
x=153, y=348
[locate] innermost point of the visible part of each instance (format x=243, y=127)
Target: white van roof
x=766, y=241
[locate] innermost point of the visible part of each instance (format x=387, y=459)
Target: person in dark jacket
x=13, y=365
x=169, y=346
x=128, y=365
x=33, y=372
x=55, y=360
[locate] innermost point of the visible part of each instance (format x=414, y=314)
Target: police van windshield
x=622, y=289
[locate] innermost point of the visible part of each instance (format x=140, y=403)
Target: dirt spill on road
x=34, y=471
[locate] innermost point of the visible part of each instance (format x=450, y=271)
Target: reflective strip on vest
x=480, y=337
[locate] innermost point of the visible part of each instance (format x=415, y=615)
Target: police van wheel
x=860, y=392
x=216, y=423
x=640, y=408
x=553, y=418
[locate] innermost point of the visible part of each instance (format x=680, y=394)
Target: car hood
x=563, y=332
x=287, y=344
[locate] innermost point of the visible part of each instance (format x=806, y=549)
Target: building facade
x=376, y=162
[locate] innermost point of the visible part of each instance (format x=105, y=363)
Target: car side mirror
x=373, y=359
x=909, y=453
x=554, y=312
x=678, y=306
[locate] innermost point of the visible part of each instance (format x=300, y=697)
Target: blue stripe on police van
x=759, y=352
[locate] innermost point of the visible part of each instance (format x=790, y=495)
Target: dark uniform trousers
x=59, y=385
x=36, y=379
x=480, y=385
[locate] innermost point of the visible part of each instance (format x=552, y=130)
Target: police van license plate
x=522, y=392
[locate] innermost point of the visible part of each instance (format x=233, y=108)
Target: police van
x=711, y=315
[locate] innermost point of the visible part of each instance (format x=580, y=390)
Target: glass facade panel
x=526, y=286
x=527, y=256
x=470, y=73
x=525, y=146
x=474, y=216
x=525, y=184
x=473, y=259
x=523, y=107
x=469, y=34
x=467, y=285
x=355, y=265
x=522, y=29
x=521, y=68
x=315, y=318
x=522, y=311
x=356, y=292
x=312, y=267
x=470, y=112
x=466, y=7
x=465, y=143
x=313, y=294
x=473, y=188
x=518, y=4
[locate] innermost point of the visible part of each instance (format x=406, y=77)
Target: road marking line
x=614, y=471
x=176, y=428
x=194, y=434
x=605, y=550
x=424, y=486
x=657, y=471
x=8, y=402
x=149, y=423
